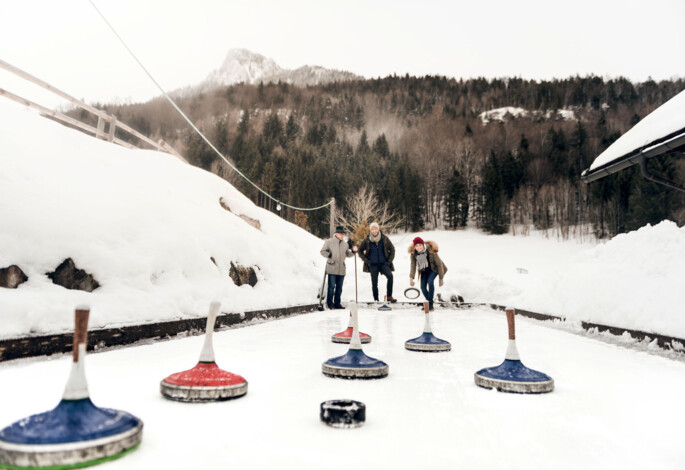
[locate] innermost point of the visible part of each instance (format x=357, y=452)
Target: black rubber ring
x=343, y=413
x=410, y=289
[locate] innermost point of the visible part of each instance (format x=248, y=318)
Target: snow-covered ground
x=633, y=281
x=613, y=406
x=146, y=226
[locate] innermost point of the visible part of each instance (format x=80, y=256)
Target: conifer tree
x=221, y=135
x=457, y=201
x=493, y=210
x=380, y=146
x=242, y=135
x=363, y=146
x=292, y=130
x=650, y=202
x=273, y=131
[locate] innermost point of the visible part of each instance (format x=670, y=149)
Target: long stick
x=356, y=300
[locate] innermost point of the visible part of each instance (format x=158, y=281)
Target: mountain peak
x=242, y=65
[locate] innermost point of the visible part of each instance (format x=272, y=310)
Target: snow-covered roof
x=661, y=131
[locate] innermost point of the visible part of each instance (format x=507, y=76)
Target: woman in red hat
x=425, y=259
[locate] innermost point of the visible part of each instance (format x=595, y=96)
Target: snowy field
x=613, y=406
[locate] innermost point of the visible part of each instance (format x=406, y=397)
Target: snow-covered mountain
x=241, y=65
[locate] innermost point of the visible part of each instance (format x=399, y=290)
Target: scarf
x=375, y=239
x=422, y=260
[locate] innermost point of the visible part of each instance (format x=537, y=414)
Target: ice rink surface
x=614, y=405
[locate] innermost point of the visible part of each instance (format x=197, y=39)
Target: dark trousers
x=384, y=269
x=335, y=283
x=427, y=287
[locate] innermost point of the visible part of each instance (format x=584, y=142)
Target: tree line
x=428, y=147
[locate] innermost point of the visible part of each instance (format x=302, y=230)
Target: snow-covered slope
x=144, y=224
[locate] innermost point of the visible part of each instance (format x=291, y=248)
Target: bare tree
x=361, y=209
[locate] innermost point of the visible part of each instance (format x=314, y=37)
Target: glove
x=411, y=282
x=442, y=283
x=350, y=244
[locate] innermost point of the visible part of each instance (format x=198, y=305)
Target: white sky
x=67, y=44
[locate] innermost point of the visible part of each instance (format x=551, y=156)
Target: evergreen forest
x=504, y=155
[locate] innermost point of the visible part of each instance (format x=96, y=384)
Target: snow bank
x=144, y=224
x=633, y=281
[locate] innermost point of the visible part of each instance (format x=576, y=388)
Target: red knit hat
x=418, y=241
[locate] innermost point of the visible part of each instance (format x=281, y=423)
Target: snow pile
x=144, y=224
x=633, y=281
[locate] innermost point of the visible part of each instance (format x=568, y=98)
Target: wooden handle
x=426, y=310
x=80, y=329
x=510, y=322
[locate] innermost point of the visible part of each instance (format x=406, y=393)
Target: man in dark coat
x=377, y=252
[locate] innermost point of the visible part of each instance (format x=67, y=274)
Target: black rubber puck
x=343, y=413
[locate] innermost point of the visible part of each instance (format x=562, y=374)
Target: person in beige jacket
x=336, y=250
x=425, y=260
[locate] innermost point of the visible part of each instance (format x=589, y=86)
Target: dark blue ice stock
x=427, y=338
x=355, y=358
x=514, y=371
x=71, y=421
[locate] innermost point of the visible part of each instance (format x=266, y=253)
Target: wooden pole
x=80, y=329
x=356, y=300
x=510, y=322
x=112, y=129
x=331, y=222
x=100, y=133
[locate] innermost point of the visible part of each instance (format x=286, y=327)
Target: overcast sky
x=66, y=43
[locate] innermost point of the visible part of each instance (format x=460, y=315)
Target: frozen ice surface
x=613, y=406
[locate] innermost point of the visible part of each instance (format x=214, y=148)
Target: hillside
x=502, y=154
x=150, y=229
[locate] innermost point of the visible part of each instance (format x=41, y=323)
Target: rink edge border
x=105, y=338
